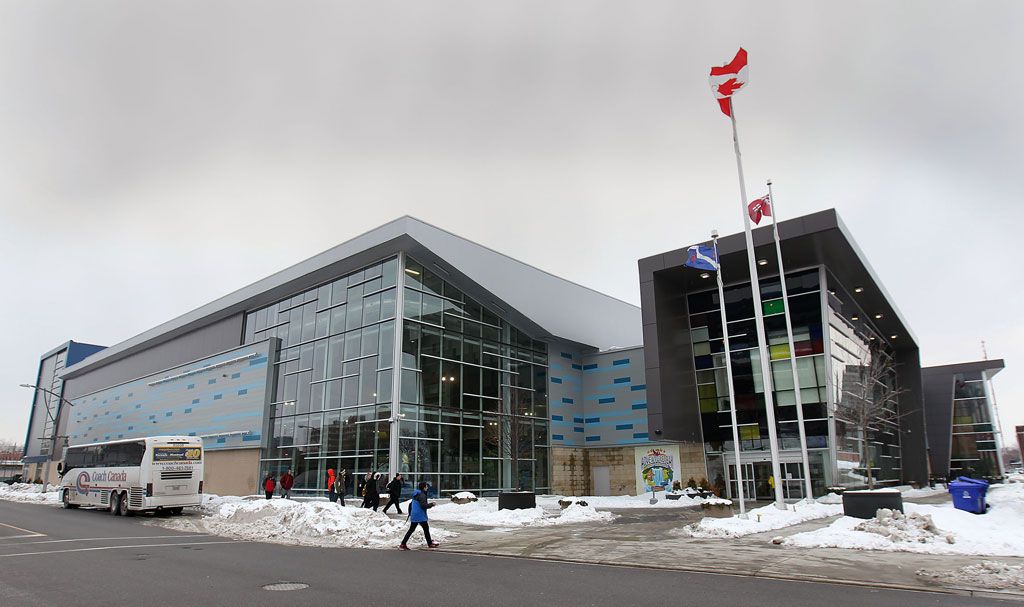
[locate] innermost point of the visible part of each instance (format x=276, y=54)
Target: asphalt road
x=50, y=556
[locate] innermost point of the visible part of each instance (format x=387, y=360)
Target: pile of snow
x=987, y=574
x=285, y=521
x=485, y=513
x=465, y=495
x=999, y=532
x=759, y=520
x=911, y=493
x=831, y=498
x=33, y=493
x=617, y=502
x=899, y=527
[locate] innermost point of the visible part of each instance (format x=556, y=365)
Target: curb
x=811, y=579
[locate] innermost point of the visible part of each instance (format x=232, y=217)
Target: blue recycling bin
x=969, y=494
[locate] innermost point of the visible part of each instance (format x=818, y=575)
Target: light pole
x=54, y=437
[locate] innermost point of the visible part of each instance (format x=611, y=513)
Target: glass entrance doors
x=758, y=484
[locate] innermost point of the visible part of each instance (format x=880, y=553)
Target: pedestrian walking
x=365, y=492
x=339, y=486
x=269, y=484
x=287, y=482
x=418, y=516
x=394, y=493
x=373, y=492
x=331, y=478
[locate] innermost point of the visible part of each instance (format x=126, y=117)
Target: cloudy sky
x=153, y=158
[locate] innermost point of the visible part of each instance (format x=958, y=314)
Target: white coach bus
x=158, y=473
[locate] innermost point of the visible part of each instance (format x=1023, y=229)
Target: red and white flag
x=762, y=207
x=728, y=79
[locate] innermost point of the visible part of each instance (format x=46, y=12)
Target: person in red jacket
x=287, y=482
x=331, y=493
x=268, y=485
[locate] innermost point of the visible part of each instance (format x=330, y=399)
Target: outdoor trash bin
x=969, y=494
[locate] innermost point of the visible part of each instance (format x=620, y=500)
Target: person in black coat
x=394, y=493
x=372, y=492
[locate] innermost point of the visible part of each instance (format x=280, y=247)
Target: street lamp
x=51, y=393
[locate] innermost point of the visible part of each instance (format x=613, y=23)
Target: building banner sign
x=656, y=467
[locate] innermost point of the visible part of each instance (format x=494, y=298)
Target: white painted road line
x=4, y=556
x=98, y=539
x=28, y=531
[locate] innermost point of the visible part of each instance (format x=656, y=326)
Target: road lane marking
x=28, y=531
x=3, y=556
x=97, y=539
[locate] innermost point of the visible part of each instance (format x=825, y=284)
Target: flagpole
x=728, y=375
x=755, y=288
x=792, y=348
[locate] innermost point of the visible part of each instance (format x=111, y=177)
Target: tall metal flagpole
x=755, y=287
x=728, y=375
x=792, y=349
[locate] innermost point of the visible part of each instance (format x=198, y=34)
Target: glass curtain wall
x=974, y=449
x=473, y=393
x=712, y=387
x=852, y=345
x=332, y=401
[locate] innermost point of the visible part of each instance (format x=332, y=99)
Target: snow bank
x=465, y=495
x=284, y=521
x=993, y=575
x=760, y=520
x=621, y=501
x=999, y=532
x=30, y=493
x=911, y=493
x=485, y=513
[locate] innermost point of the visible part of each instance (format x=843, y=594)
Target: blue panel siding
x=577, y=429
x=554, y=380
x=624, y=426
x=606, y=401
x=641, y=435
x=592, y=420
x=578, y=420
x=556, y=418
x=638, y=387
x=577, y=367
x=621, y=380
x=566, y=355
x=589, y=367
x=620, y=362
x=641, y=406
x=567, y=401
x=591, y=439
x=557, y=437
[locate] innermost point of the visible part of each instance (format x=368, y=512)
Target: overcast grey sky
x=156, y=156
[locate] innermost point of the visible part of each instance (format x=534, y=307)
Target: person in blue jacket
x=418, y=516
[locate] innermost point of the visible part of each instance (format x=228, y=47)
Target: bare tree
x=868, y=400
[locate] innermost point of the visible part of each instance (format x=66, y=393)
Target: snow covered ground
x=999, y=532
x=994, y=575
x=485, y=513
x=621, y=501
x=25, y=492
x=281, y=521
x=759, y=520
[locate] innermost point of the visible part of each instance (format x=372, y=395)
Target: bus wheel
x=177, y=510
x=115, y=503
x=122, y=503
x=65, y=498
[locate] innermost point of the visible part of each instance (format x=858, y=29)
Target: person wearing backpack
x=418, y=516
x=269, y=484
x=394, y=489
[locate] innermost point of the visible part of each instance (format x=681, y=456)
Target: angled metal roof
x=557, y=307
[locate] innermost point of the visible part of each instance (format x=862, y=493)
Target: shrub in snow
x=899, y=527
x=463, y=497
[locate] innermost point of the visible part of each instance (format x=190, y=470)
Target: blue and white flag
x=701, y=257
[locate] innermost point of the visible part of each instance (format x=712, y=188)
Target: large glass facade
x=332, y=395
x=853, y=344
x=804, y=304
x=470, y=383
x=473, y=391
x=974, y=450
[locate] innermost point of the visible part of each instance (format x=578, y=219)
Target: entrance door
x=602, y=480
x=748, y=482
x=763, y=472
x=793, y=480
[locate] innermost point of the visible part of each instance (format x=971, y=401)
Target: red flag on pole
x=728, y=79
x=762, y=207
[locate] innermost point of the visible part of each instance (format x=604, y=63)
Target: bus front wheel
x=177, y=510
x=65, y=498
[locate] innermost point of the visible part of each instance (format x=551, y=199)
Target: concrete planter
x=864, y=504
x=673, y=496
x=517, y=500
x=717, y=510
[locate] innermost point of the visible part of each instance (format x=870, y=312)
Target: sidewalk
x=643, y=538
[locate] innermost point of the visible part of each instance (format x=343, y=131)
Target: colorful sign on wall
x=656, y=467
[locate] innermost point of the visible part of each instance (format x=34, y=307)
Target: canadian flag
x=762, y=207
x=728, y=79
